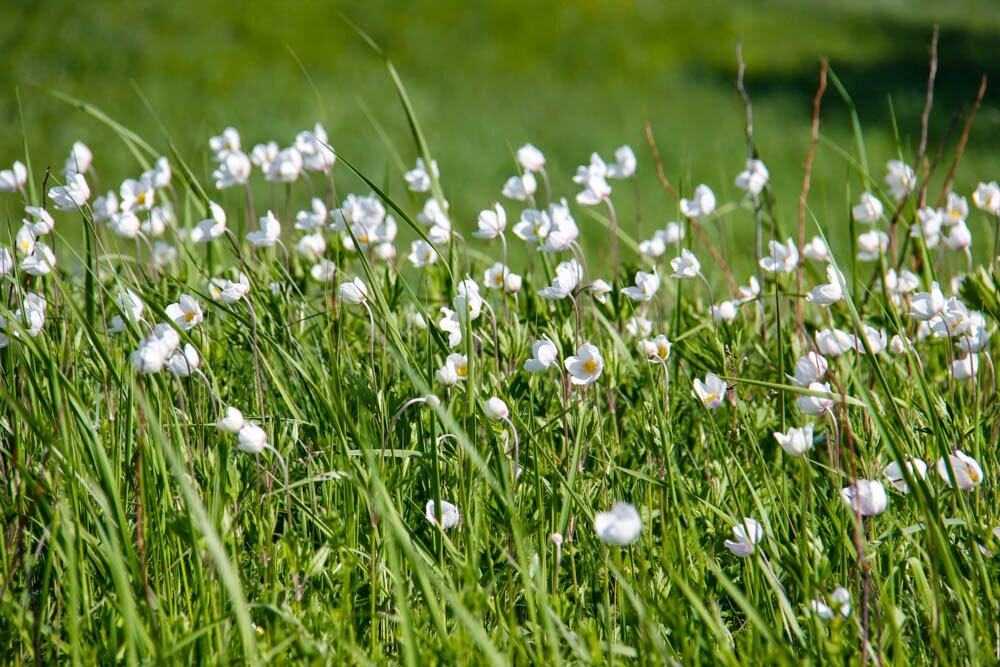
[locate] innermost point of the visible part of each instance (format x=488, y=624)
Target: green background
x=571, y=77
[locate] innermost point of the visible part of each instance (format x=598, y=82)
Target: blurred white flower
x=986, y=197
x=79, y=160
x=227, y=291
x=619, y=527
x=314, y=148
x=268, y=232
x=450, y=516
x=229, y=140
x=796, y=441
x=286, y=167
x=624, y=164
x=815, y=405
x=866, y=497
x=701, y=204
x=868, y=210
x=543, y=354
x=830, y=293
x=748, y=534
x=871, y=245
x=967, y=472
x=251, y=439
x=492, y=222
x=354, y=292
x=13, y=179
x=530, y=158
x=233, y=170
x=816, y=250
x=894, y=473
x=685, y=266
x=783, y=258
x=313, y=219
x=40, y=262
x=520, y=188
x=211, y=228
x=71, y=196
x=231, y=422
x=645, y=288
x=900, y=178
x=753, y=178
x=418, y=179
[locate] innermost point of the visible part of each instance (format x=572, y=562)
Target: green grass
x=136, y=531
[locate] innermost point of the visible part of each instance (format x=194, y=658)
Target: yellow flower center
x=663, y=351
x=188, y=316
x=140, y=199
x=974, y=476
x=463, y=371
x=590, y=366
x=712, y=398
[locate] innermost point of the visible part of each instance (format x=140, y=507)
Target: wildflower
x=530, y=158
x=956, y=209
x=543, y=354
x=495, y=276
x=959, y=237
x=620, y=527
x=929, y=223
x=567, y=278
x=711, y=392
x=13, y=179
x=231, y=422
x=700, y=205
x=31, y=314
x=79, y=160
x=654, y=247
x=104, y=207
x=685, y=266
x=71, y=196
x=723, y=312
x=496, y=409
x=816, y=250
x=286, y=167
x=657, y=349
x=594, y=179
x=40, y=262
x=646, y=285
x=268, y=233
x=753, y=178
x=6, y=262
x=624, y=164
x=460, y=363
x=815, y=405
x=783, y=259
x=877, y=339
x=233, y=170
x=900, y=178
x=638, y=326
x=227, y=291
x=450, y=516
x=251, y=439
x=899, y=344
x=184, y=363
x=323, y=271
x=748, y=292
x=748, y=534
x=163, y=254
x=894, y=473
x=841, y=601
x=796, y=441
x=563, y=231
x=211, y=228
x=834, y=342
x=159, y=218
x=986, y=197
x=447, y=375
x=311, y=245
x=825, y=295
x=137, y=195
x=39, y=221
x=533, y=226
x=418, y=179
x=900, y=284
x=926, y=305
x=585, y=366
x=967, y=472
x=520, y=188
x=354, y=292
x=492, y=222
x=186, y=313
x=264, y=155
x=435, y=214
x=125, y=224
x=422, y=254
x=865, y=497
x=600, y=289
x=159, y=175
x=155, y=349
x=965, y=368
x=868, y=210
x=229, y=140
x=315, y=150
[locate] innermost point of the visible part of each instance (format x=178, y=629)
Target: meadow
x=432, y=380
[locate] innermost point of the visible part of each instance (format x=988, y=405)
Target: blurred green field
x=571, y=77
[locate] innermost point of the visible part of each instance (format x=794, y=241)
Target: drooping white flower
x=894, y=473
x=593, y=178
x=450, y=515
x=40, y=262
x=568, y=275
x=71, y=196
x=105, y=207
x=311, y=245
x=492, y=222
x=701, y=204
x=747, y=535
x=866, y=497
x=495, y=409
x=79, y=160
x=354, y=292
x=520, y=188
x=228, y=291
x=229, y=140
x=967, y=472
x=530, y=158
x=926, y=305
x=900, y=178
x=753, y=178
x=619, y=527
x=638, y=326
x=418, y=179
x=711, y=392
x=264, y=155
x=749, y=292
x=624, y=164
x=685, y=266
x=233, y=170
x=868, y=210
x=829, y=293
x=159, y=219
x=543, y=354
x=872, y=245
x=13, y=179
x=125, y=224
x=211, y=228
x=313, y=219
x=724, y=311
x=286, y=167
x=38, y=220
x=815, y=405
x=783, y=259
x=657, y=349
x=563, y=230
x=808, y=369
x=184, y=362
x=965, y=368
x=986, y=197
x=323, y=271
x=877, y=339
x=959, y=237
x=929, y=223
x=585, y=366
x=251, y=439
x=422, y=253
x=796, y=441
x=645, y=288
x=315, y=150
x=268, y=232
x=231, y=422
x=816, y=250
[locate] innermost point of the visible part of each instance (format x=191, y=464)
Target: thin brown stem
x=806, y=185
x=962, y=140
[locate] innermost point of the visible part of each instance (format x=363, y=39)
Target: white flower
x=520, y=188
x=929, y=223
x=723, y=312
x=871, y=245
x=79, y=160
x=619, y=527
x=600, y=289
x=159, y=219
x=959, y=237
x=968, y=474
x=435, y=215
x=40, y=262
x=418, y=179
x=655, y=246
x=674, y=233
x=496, y=409
x=234, y=169
x=585, y=366
x=13, y=179
x=313, y=219
x=315, y=150
x=105, y=207
x=827, y=294
x=753, y=178
x=900, y=178
x=31, y=314
x=657, y=349
x=701, y=204
x=229, y=292
x=211, y=228
x=155, y=349
x=748, y=534
x=638, y=326
x=748, y=292
x=926, y=305
x=6, y=262
x=567, y=277
x=268, y=234
x=868, y=210
x=450, y=516
x=71, y=196
x=137, y=194
x=877, y=339
x=815, y=405
x=311, y=245
x=163, y=254
x=125, y=224
x=593, y=177
x=711, y=392
x=354, y=292
x=159, y=175
x=563, y=231
x=543, y=354
x=646, y=285
x=229, y=140
x=783, y=259
x=899, y=344
x=183, y=363
x=685, y=266
x=533, y=226
x=286, y=167
x=530, y=158
x=986, y=197
x=816, y=250
x=624, y=164
x=865, y=497
x=422, y=253
x=39, y=221
x=965, y=368
x=264, y=155
x=796, y=441
x=186, y=313
x=894, y=473
x=251, y=438
x=231, y=422
x=323, y=271
x=492, y=222
x=956, y=209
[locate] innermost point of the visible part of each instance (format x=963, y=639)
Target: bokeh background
x=485, y=77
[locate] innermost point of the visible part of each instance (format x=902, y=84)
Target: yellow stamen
x=590, y=366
